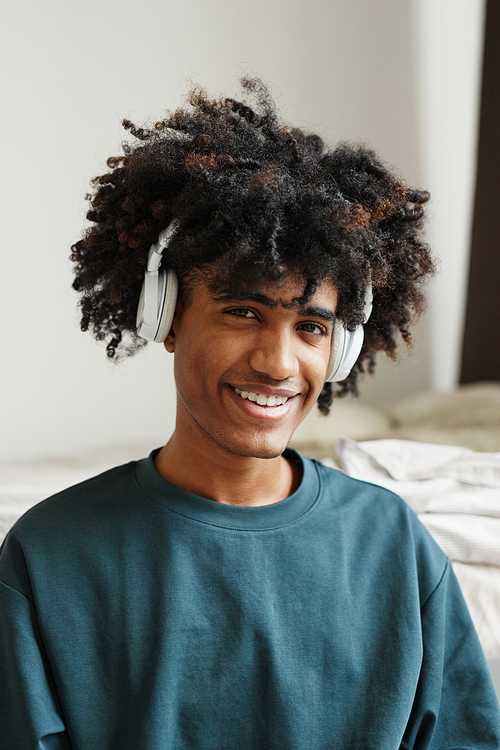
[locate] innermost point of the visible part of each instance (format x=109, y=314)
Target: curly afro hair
x=255, y=199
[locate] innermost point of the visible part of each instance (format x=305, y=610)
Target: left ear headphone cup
x=345, y=351
x=347, y=345
x=336, y=352
x=167, y=298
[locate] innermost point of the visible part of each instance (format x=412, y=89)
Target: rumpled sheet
x=454, y=491
x=456, y=494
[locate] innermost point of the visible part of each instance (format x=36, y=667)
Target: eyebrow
x=262, y=299
x=319, y=312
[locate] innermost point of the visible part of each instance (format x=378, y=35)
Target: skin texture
x=226, y=448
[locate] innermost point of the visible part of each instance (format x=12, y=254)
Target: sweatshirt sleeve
x=455, y=705
x=30, y=715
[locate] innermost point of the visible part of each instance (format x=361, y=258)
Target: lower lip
x=252, y=409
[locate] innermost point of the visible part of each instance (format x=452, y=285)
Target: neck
x=194, y=462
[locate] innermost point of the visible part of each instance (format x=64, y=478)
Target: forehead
x=287, y=293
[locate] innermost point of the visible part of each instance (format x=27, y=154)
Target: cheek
x=314, y=369
x=199, y=365
x=315, y=392
x=186, y=367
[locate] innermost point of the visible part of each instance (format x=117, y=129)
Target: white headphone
x=159, y=295
x=155, y=312
x=346, y=346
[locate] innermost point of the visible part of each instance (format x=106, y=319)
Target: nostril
x=276, y=359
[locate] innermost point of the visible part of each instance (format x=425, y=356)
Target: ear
x=169, y=342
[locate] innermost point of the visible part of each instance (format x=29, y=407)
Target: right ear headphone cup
x=167, y=298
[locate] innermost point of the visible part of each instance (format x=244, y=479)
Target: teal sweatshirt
x=136, y=616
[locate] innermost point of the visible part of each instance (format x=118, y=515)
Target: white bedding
x=456, y=494
x=454, y=491
x=480, y=586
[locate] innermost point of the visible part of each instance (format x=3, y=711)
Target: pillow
x=317, y=435
x=469, y=417
x=473, y=405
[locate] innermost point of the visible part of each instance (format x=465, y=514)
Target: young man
x=226, y=592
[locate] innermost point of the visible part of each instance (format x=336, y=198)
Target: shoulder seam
x=7, y=586
x=438, y=584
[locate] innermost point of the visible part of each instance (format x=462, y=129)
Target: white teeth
x=261, y=399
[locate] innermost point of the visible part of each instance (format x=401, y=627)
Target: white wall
x=73, y=70
x=449, y=54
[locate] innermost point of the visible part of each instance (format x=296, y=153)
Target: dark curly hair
x=262, y=199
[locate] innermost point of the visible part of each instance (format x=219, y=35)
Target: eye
x=241, y=312
x=315, y=328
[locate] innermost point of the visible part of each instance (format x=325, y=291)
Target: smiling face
x=249, y=367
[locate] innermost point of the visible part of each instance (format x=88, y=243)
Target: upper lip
x=266, y=390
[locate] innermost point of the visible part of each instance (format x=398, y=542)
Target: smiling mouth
x=260, y=398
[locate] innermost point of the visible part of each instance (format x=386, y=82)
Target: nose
x=274, y=355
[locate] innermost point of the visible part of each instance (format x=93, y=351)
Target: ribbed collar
x=231, y=516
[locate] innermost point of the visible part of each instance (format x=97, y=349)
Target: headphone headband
x=164, y=239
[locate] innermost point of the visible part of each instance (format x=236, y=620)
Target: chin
x=260, y=446
x=259, y=453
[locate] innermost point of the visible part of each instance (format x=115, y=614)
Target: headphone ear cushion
x=344, y=353
x=336, y=351
x=347, y=345
x=167, y=297
x=353, y=345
